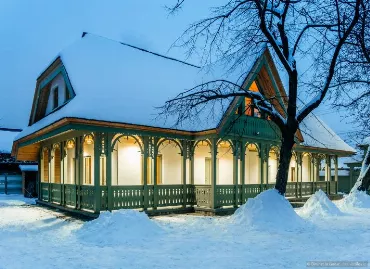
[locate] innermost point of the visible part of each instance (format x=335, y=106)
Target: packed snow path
x=34, y=237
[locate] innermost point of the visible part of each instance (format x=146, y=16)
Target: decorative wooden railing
x=56, y=193
x=44, y=188
x=160, y=196
x=203, y=195
x=247, y=126
x=87, y=197
x=70, y=195
x=128, y=197
x=225, y=195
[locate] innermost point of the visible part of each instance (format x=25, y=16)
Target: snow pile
x=268, y=210
x=119, y=227
x=356, y=199
x=319, y=205
x=15, y=200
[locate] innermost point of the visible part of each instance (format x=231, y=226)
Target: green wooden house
x=94, y=130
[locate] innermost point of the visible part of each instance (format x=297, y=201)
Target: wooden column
x=242, y=171
x=145, y=171
x=62, y=176
x=261, y=165
x=80, y=163
x=97, y=155
x=108, y=169
x=336, y=173
x=184, y=156
x=38, y=183
x=236, y=156
x=214, y=173
x=155, y=188
x=299, y=173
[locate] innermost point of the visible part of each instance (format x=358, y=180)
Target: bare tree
x=295, y=31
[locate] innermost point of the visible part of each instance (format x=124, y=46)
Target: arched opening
x=202, y=163
x=69, y=162
x=306, y=167
x=252, y=164
x=292, y=173
x=273, y=164
x=126, y=161
x=88, y=160
x=45, y=165
x=56, y=164
x=224, y=163
x=169, y=162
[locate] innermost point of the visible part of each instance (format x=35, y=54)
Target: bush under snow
x=356, y=199
x=319, y=205
x=119, y=227
x=268, y=211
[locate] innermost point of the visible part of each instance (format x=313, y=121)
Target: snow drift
x=268, y=211
x=356, y=199
x=119, y=227
x=319, y=205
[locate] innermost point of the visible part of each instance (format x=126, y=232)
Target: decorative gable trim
x=42, y=91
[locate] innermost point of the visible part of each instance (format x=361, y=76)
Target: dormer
x=53, y=91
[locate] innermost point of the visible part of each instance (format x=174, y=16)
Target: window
x=57, y=162
x=55, y=98
x=87, y=164
x=66, y=93
x=45, y=168
x=248, y=106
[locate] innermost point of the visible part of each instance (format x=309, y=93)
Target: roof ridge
x=144, y=50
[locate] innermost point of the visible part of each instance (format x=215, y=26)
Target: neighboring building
x=354, y=164
x=94, y=131
x=14, y=175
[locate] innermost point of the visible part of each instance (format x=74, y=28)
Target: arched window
x=252, y=162
x=45, y=165
x=69, y=162
x=202, y=163
x=88, y=160
x=273, y=164
x=126, y=161
x=169, y=163
x=56, y=164
x=224, y=163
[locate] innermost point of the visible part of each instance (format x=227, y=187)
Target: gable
x=53, y=90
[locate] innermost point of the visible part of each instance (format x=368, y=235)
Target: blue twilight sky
x=33, y=32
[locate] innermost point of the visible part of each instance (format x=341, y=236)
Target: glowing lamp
x=89, y=139
x=70, y=144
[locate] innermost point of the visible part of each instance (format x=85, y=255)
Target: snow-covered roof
x=366, y=141
x=28, y=168
x=117, y=82
x=6, y=140
x=341, y=173
x=319, y=135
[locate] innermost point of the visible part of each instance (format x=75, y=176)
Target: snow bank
x=119, y=227
x=319, y=205
x=356, y=199
x=268, y=210
x=15, y=200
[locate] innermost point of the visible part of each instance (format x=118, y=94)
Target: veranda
x=95, y=171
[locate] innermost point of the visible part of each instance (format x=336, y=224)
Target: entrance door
x=208, y=171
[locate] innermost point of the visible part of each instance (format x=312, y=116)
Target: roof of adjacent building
x=117, y=82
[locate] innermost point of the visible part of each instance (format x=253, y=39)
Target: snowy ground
x=34, y=237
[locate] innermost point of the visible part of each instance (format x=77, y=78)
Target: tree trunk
x=284, y=162
x=363, y=181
